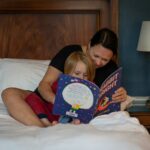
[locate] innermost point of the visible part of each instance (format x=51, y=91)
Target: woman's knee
x=6, y=93
x=11, y=93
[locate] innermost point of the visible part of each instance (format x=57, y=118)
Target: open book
x=83, y=99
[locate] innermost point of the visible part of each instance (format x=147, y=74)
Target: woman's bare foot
x=46, y=122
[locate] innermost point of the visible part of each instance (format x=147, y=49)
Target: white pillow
x=21, y=73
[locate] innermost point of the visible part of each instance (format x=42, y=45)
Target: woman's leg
x=14, y=99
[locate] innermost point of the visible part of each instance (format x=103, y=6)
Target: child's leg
x=41, y=108
x=50, y=114
x=36, y=104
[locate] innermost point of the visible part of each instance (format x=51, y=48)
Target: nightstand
x=142, y=113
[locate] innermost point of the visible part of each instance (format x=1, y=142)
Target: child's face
x=80, y=71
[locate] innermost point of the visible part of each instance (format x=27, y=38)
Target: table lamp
x=144, y=43
x=144, y=38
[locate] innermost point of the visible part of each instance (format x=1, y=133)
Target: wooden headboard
x=37, y=29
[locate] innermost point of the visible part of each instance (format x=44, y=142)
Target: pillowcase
x=21, y=73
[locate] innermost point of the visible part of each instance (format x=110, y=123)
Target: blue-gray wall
x=136, y=65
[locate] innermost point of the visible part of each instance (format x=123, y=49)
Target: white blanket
x=116, y=131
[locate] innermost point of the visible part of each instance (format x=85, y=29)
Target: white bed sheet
x=116, y=131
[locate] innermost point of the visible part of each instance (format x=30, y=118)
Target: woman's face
x=100, y=55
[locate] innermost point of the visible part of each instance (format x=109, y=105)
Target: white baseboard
x=140, y=100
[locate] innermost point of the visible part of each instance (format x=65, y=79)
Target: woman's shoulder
x=67, y=50
x=59, y=59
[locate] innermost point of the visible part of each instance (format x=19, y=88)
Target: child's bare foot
x=54, y=123
x=76, y=121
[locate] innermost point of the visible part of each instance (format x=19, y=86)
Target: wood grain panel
x=38, y=29
x=43, y=34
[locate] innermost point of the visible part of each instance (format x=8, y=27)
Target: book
x=83, y=99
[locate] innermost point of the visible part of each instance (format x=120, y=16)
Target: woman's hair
x=74, y=58
x=107, y=38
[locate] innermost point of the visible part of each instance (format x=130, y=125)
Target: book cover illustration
x=110, y=85
x=76, y=98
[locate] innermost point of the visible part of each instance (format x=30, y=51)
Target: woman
x=101, y=49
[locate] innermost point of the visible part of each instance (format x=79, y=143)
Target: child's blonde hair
x=74, y=58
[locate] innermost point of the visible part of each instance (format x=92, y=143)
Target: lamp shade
x=144, y=38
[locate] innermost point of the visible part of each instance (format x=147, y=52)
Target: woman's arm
x=44, y=88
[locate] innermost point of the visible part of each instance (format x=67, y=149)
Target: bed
x=31, y=33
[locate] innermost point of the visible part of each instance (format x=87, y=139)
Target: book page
x=76, y=98
x=109, y=86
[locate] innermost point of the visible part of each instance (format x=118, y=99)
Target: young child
x=77, y=65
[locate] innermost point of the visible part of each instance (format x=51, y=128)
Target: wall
x=136, y=65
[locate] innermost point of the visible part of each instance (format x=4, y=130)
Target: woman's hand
x=120, y=95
